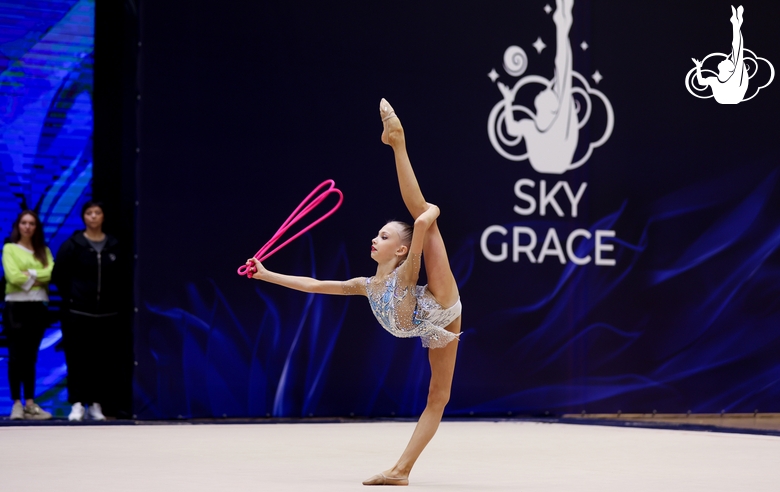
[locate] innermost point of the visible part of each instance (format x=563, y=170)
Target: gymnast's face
x=387, y=245
x=725, y=69
x=546, y=105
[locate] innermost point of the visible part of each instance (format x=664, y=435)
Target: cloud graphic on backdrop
x=563, y=107
x=735, y=70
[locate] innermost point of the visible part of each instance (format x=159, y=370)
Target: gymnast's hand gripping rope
x=300, y=211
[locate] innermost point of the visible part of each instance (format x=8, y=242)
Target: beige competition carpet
x=464, y=456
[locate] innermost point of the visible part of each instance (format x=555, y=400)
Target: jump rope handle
x=307, y=205
x=248, y=270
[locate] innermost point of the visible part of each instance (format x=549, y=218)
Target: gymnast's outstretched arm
x=303, y=284
x=701, y=80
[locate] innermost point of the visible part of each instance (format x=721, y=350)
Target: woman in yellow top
x=27, y=263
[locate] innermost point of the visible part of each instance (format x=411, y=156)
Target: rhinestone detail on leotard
x=410, y=310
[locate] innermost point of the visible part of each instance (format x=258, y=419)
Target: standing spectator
x=27, y=263
x=88, y=278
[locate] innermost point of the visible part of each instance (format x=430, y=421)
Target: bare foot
x=385, y=479
x=393, y=132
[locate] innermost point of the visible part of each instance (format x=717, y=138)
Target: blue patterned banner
x=46, y=79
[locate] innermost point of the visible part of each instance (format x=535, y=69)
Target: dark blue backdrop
x=247, y=107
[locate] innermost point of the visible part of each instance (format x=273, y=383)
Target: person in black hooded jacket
x=87, y=275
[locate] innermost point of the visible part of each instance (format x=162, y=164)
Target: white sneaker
x=35, y=412
x=17, y=411
x=76, y=412
x=95, y=412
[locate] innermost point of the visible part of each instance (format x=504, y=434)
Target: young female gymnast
x=401, y=306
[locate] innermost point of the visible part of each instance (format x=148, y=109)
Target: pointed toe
x=382, y=479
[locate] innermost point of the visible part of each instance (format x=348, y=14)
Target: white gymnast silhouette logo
x=551, y=133
x=735, y=70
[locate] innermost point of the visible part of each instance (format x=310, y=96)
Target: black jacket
x=88, y=281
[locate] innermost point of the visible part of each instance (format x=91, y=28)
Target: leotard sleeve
x=354, y=287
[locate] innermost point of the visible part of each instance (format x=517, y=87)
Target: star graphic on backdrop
x=539, y=45
x=493, y=75
x=584, y=45
x=597, y=76
x=547, y=9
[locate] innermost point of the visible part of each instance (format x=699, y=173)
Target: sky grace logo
x=563, y=106
x=733, y=82
x=550, y=134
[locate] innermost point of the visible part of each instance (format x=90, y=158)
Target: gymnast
x=401, y=306
x=731, y=84
x=552, y=134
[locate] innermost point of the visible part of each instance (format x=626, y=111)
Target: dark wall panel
x=246, y=107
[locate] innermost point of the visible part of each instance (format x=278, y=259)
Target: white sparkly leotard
x=407, y=310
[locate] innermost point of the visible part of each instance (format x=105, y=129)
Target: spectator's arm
x=44, y=274
x=13, y=274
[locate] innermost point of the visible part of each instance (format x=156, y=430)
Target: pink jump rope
x=300, y=211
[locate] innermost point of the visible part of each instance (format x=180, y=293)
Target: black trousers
x=24, y=324
x=90, y=353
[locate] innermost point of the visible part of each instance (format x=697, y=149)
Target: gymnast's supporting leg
x=442, y=360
